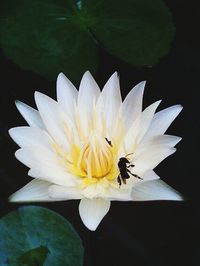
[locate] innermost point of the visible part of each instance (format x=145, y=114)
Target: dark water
x=150, y=233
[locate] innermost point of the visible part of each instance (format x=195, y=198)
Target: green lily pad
x=38, y=236
x=48, y=36
x=137, y=31
x=36, y=256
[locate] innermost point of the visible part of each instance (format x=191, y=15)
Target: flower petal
x=130, y=139
x=44, y=165
x=30, y=137
x=154, y=190
x=53, y=118
x=36, y=190
x=92, y=211
x=66, y=95
x=66, y=193
x=31, y=115
x=150, y=158
x=109, y=103
x=87, y=97
x=88, y=92
x=150, y=175
x=165, y=140
x=140, y=124
x=156, y=141
x=132, y=105
x=162, y=120
x=116, y=194
x=146, y=118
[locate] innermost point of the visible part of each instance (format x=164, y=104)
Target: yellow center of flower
x=96, y=158
x=93, y=161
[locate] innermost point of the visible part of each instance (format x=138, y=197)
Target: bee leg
x=119, y=181
x=130, y=165
x=134, y=174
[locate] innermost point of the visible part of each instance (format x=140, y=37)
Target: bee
x=124, y=165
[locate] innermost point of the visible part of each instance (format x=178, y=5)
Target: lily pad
x=48, y=36
x=38, y=236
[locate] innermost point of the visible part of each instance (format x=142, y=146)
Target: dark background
x=141, y=233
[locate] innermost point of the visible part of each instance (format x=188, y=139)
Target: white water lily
x=73, y=146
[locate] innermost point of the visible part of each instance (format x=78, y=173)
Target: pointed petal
x=30, y=137
x=87, y=97
x=162, y=120
x=67, y=193
x=154, y=190
x=45, y=165
x=154, y=142
x=92, y=211
x=150, y=158
x=109, y=103
x=52, y=117
x=31, y=115
x=88, y=92
x=132, y=105
x=165, y=140
x=66, y=94
x=138, y=129
x=146, y=118
x=36, y=190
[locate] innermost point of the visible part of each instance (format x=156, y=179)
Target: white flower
x=73, y=147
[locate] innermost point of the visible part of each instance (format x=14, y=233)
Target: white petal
x=150, y=158
x=66, y=94
x=119, y=194
x=146, y=118
x=30, y=136
x=36, y=190
x=67, y=193
x=132, y=105
x=154, y=190
x=109, y=103
x=53, y=118
x=31, y=115
x=92, y=211
x=45, y=165
x=162, y=120
x=130, y=139
x=87, y=97
x=88, y=92
x=140, y=125
x=156, y=141
x=149, y=175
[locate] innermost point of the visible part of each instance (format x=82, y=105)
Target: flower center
x=93, y=161
x=96, y=158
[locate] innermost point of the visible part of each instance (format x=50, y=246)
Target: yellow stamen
x=94, y=161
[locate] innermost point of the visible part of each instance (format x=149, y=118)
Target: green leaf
x=44, y=36
x=36, y=256
x=138, y=32
x=49, y=36
x=38, y=236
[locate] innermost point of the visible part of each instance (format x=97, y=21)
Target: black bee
x=124, y=165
